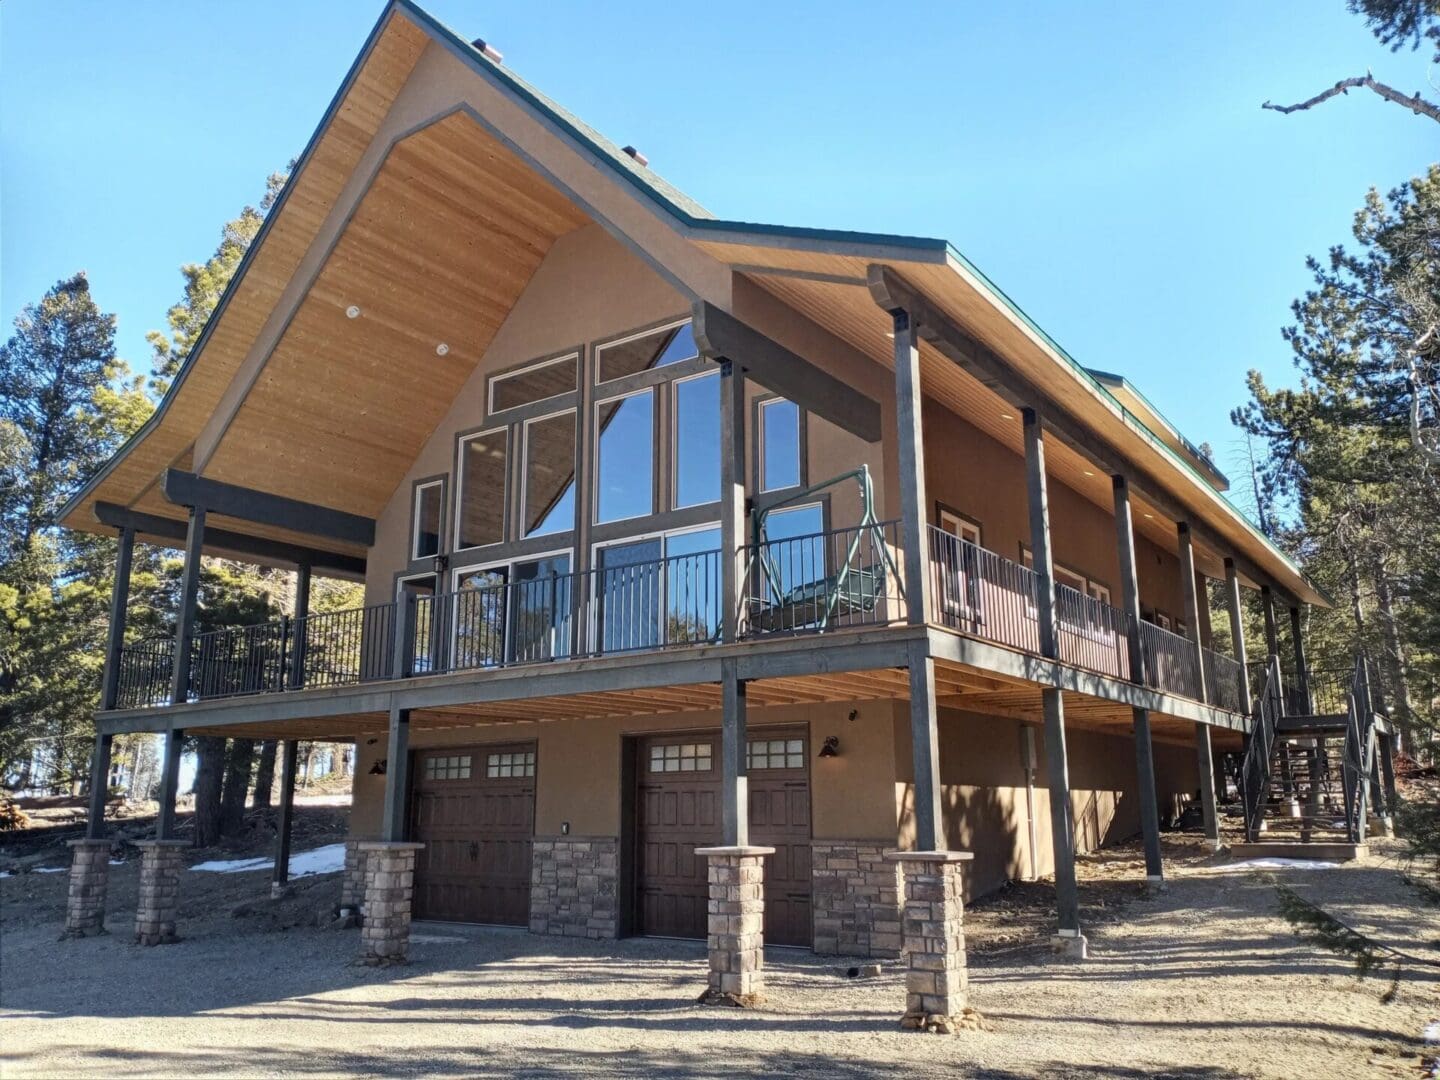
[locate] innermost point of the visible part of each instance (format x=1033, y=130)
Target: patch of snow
x=5, y=873
x=329, y=859
x=1275, y=863
x=117, y=862
x=1432, y=1032
x=48, y=870
x=435, y=939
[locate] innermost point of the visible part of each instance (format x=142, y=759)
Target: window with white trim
x=779, y=444
x=964, y=528
x=482, y=483
x=428, y=510
x=534, y=382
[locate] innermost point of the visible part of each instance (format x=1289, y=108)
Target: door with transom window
x=474, y=810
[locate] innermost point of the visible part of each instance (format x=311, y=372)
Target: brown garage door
x=678, y=810
x=474, y=810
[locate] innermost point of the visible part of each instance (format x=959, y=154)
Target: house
x=704, y=561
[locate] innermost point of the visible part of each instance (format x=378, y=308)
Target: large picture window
x=660, y=590
x=484, y=467
x=534, y=382
x=696, y=435
x=779, y=448
x=550, y=474
x=641, y=352
x=625, y=459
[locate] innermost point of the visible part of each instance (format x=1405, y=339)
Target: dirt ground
x=1202, y=979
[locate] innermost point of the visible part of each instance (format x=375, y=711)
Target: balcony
x=819, y=584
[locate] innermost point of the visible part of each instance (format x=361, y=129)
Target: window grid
x=515, y=763
x=775, y=753
x=680, y=757
x=456, y=767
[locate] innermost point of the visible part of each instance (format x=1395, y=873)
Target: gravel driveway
x=1201, y=980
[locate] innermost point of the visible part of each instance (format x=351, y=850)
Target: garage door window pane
x=680, y=757
x=776, y=753
x=515, y=764
x=456, y=767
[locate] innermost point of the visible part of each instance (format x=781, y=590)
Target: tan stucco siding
x=578, y=773
x=988, y=808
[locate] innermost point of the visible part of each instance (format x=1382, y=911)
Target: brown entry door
x=474, y=810
x=678, y=810
x=779, y=770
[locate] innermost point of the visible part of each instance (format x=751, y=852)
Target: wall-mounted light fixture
x=831, y=747
x=441, y=562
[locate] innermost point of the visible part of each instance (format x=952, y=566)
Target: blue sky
x=1107, y=164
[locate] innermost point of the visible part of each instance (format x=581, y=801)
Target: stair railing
x=1255, y=772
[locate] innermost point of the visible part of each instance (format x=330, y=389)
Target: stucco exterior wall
x=578, y=774
x=988, y=806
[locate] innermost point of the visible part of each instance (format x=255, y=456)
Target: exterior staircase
x=1310, y=777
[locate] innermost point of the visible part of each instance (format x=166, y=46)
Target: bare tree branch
x=1415, y=104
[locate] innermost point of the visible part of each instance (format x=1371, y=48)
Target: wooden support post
x=1144, y=751
x=734, y=766
x=169, y=783
x=1302, y=672
x=185, y=617
x=1204, y=754
x=99, y=786
x=302, y=626
x=289, y=758
x=1272, y=628
x=397, y=776
x=402, y=655
x=734, y=510
x=1062, y=824
x=925, y=749
x=119, y=609
x=1190, y=598
x=1237, y=634
x=908, y=401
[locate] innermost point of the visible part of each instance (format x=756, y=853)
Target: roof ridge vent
x=637, y=155
x=485, y=49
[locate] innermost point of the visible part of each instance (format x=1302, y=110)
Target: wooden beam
x=288, y=761
x=891, y=291
x=735, y=781
x=327, y=563
x=189, y=598
x=1144, y=751
x=721, y=336
x=99, y=786
x=397, y=776
x=1237, y=632
x=187, y=489
x=169, y=783
x=119, y=609
x=1190, y=598
x=734, y=509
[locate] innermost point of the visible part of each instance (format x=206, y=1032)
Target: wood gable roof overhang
x=432, y=220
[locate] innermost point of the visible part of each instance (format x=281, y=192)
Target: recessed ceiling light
x=352, y=312
x=441, y=349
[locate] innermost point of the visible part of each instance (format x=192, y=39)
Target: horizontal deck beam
x=721, y=336
x=780, y=658
x=153, y=527
x=263, y=508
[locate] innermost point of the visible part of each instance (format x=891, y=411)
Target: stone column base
x=934, y=936
x=160, y=864
x=856, y=898
x=352, y=881
x=574, y=885
x=389, y=886
x=736, y=938
x=89, y=880
x=1070, y=946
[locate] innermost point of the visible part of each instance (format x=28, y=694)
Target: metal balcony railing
x=1171, y=664
x=983, y=594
